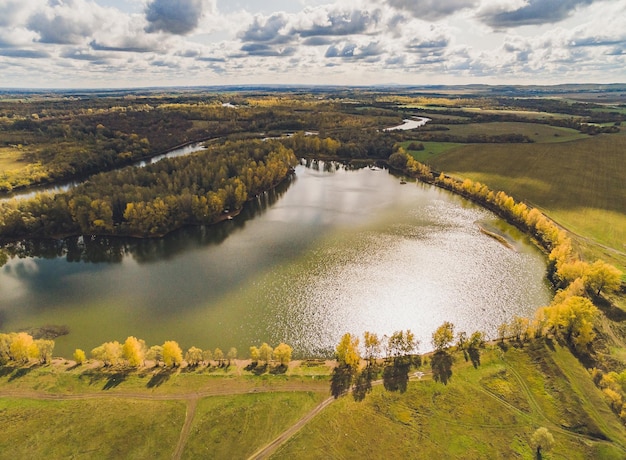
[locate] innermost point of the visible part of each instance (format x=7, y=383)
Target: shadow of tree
x=251, y=366
x=396, y=375
x=341, y=380
x=6, y=370
x=280, y=369
x=115, y=379
x=260, y=369
x=474, y=355
x=20, y=372
x=441, y=365
x=363, y=382
x=159, y=378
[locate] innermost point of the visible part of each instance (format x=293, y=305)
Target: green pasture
x=106, y=428
x=580, y=184
x=489, y=412
x=539, y=133
x=431, y=149
x=233, y=427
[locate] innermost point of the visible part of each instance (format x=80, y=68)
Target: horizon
x=115, y=44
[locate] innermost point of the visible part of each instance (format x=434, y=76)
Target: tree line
x=156, y=199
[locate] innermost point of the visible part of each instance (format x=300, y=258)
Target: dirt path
x=192, y=404
x=270, y=448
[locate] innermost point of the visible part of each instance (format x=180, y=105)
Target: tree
x=155, y=353
x=347, y=351
x=232, y=354
x=443, y=336
x=133, y=350
x=20, y=347
x=254, y=354
x=265, y=353
x=372, y=345
x=603, y=277
x=79, y=356
x=109, y=353
x=541, y=440
x=193, y=356
x=218, y=355
x=44, y=350
x=401, y=343
x=172, y=354
x=207, y=355
x=572, y=316
x=283, y=353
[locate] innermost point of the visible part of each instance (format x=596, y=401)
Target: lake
x=332, y=250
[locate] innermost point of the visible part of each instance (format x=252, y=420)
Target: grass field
x=488, y=412
x=581, y=184
x=537, y=132
x=100, y=428
x=10, y=159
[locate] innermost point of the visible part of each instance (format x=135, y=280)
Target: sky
x=147, y=43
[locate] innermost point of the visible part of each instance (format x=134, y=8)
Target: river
x=330, y=251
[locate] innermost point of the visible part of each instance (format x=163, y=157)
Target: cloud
x=531, y=12
x=267, y=30
x=338, y=23
x=432, y=10
x=261, y=49
x=21, y=53
x=177, y=17
x=354, y=51
x=65, y=23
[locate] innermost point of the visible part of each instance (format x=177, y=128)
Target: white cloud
x=85, y=43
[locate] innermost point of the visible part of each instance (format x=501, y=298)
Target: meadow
x=62, y=410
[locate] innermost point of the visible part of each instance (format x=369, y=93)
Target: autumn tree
x=283, y=353
x=193, y=356
x=218, y=355
x=207, y=356
x=371, y=342
x=21, y=347
x=109, y=353
x=347, y=351
x=155, y=353
x=172, y=354
x=603, y=277
x=443, y=336
x=541, y=441
x=79, y=356
x=134, y=351
x=231, y=355
x=254, y=354
x=265, y=353
x=44, y=350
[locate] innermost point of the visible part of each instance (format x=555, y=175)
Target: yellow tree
x=254, y=353
x=21, y=346
x=44, y=350
x=172, y=354
x=371, y=343
x=283, y=353
x=218, y=355
x=193, y=356
x=79, y=356
x=133, y=350
x=348, y=351
x=443, y=336
x=603, y=277
x=265, y=352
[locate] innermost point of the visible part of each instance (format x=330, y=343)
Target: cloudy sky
x=140, y=43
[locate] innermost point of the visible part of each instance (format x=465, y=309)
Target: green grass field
x=539, y=133
x=487, y=412
x=99, y=428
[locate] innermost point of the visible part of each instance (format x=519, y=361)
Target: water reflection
x=339, y=248
x=104, y=249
